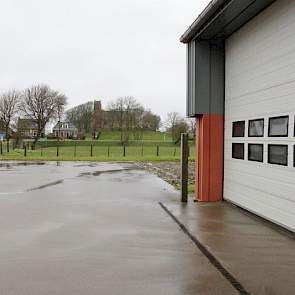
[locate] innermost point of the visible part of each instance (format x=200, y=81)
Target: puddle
x=45, y=185
x=10, y=193
x=14, y=164
x=91, y=165
x=98, y=173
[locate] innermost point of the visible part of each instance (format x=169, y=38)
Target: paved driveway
x=82, y=228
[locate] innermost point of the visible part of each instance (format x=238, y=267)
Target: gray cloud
x=98, y=49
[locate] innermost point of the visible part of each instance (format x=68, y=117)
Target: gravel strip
x=169, y=171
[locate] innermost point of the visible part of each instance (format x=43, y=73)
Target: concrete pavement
x=86, y=228
x=260, y=255
x=97, y=228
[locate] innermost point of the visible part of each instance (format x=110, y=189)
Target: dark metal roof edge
x=202, y=19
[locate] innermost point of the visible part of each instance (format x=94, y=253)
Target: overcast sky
x=98, y=49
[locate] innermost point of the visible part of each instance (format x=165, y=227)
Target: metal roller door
x=259, y=172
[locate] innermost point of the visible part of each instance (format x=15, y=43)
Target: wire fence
x=85, y=151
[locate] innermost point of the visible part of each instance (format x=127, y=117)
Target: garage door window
x=278, y=126
x=239, y=129
x=255, y=152
x=278, y=154
x=256, y=128
x=238, y=151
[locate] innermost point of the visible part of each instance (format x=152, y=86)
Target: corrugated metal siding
x=260, y=83
x=191, y=79
x=205, y=78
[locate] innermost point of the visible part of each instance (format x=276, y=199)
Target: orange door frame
x=209, y=158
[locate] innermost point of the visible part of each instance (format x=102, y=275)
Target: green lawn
x=146, y=136
x=99, y=153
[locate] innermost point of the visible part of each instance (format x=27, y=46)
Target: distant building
x=2, y=131
x=102, y=119
x=28, y=128
x=99, y=121
x=65, y=130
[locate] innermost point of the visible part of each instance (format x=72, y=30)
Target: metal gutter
x=202, y=19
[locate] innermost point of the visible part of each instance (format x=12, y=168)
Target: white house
x=65, y=130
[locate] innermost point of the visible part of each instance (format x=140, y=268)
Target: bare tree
x=81, y=116
x=42, y=104
x=111, y=119
x=192, y=127
x=127, y=112
x=176, y=124
x=8, y=108
x=172, y=119
x=151, y=121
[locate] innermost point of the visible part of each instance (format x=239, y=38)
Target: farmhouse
x=241, y=90
x=65, y=130
x=28, y=128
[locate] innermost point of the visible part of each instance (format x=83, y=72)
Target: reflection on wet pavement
x=97, y=173
x=45, y=185
x=9, y=165
x=95, y=235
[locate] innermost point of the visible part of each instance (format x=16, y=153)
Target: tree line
x=42, y=104
x=124, y=114
x=128, y=115
x=39, y=103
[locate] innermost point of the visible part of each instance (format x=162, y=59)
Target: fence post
x=108, y=151
x=1, y=148
x=157, y=151
x=7, y=146
x=142, y=150
x=124, y=151
x=91, y=150
x=75, y=150
x=25, y=151
x=41, y=151
x=57, y=150
x=184, y=166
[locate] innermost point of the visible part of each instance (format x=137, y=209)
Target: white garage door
x=259, y=172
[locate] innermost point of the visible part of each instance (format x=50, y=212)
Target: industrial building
x=241, y=90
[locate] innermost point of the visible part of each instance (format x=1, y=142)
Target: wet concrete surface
x=260, y=255
x=95, y=228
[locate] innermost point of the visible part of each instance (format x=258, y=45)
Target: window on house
x=278, y=126
x=238, y=151
x=278, y=154
x=238, y=129
x=256, y=128
x=255, y=152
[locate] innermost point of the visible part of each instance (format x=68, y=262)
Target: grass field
x=146, y=136
x=153, y=146
x=97, y=153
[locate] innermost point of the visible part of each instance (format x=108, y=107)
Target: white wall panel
x=260, y=83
